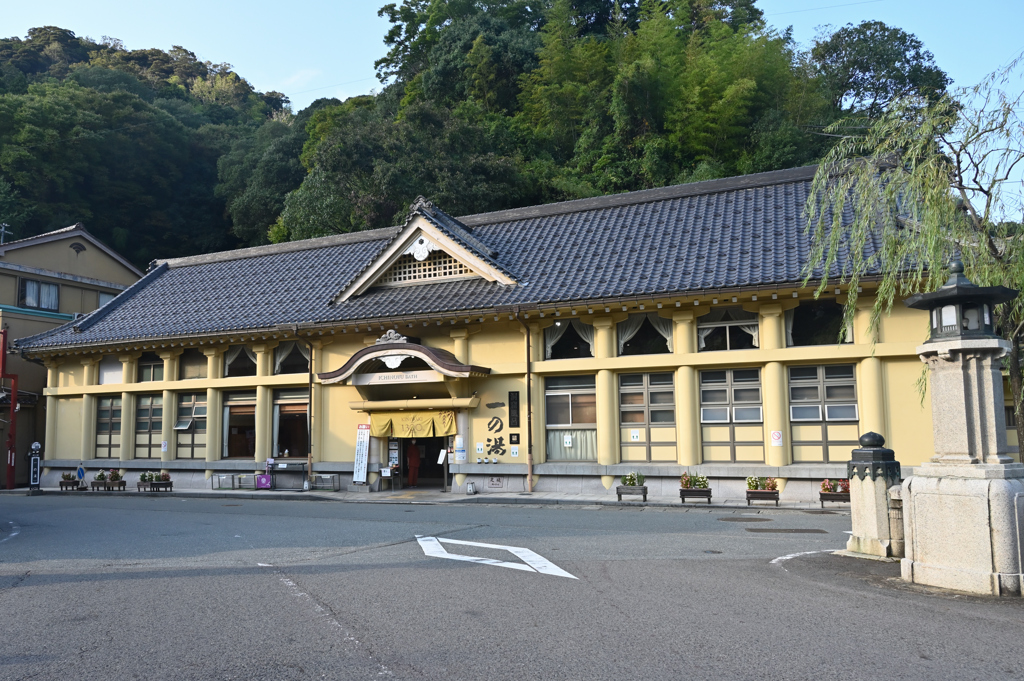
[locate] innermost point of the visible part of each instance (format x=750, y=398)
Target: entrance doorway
x=431, y=472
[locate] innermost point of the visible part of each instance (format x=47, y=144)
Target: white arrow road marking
x=533, y=562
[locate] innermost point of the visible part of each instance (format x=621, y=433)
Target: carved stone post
x=872, y=471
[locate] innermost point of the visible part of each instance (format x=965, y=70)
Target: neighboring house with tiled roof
x=663, y=328
x=46, y=281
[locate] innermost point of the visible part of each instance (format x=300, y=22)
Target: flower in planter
x=115, y=475
x=753, y=483
x=67, y=476
x=687, y=481
x=633, y=479
x=144, y=477
x=771, y=484
x=100, y=477
x=165, y=477
x=844, y=485
x=827, y=485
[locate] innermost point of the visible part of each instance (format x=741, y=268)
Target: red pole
x=13, y=426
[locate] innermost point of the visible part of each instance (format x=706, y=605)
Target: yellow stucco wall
x=887, y=370
x=59, y=256
x=69, y=429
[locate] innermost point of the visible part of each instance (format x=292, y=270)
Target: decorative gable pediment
x=425, y=253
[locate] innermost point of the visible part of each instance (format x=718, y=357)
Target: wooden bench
x=70, y=485
x=694, y=492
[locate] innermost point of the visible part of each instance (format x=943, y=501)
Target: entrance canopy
x=412, y=423
x=392, y=349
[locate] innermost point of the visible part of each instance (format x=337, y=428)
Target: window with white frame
x=570, y=408
x=647, y=417
x=823, y=412
x=190, y=426
x=728, y=328
x=149, y=421
x=731, y=415
x=38, y=295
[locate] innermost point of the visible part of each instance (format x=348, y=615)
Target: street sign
x=362, y=453
x=80, y=473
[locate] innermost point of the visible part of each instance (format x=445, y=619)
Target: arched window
x=568, y=339
x=644, y=334
x=816, y=322
x=239, y=360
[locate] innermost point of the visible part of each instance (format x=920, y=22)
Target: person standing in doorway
x=412, y=463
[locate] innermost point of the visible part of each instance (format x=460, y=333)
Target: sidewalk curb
x=274, y=495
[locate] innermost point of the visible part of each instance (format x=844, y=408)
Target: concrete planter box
x=630, y=489
x=763, y=495
x=694, y=493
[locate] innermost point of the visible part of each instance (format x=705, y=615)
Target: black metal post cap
x=956, y=266
x=871, y=439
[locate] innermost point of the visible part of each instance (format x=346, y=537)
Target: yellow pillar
x=316, y=409
x=607, y=417
x=774, y=397
x=170, y=358
x=264, y=401
x=52, y=381
x=128, y=376
x=687, y=406
x=214, y=408
x=872, y=397
x=88, y=445
x=461, y=338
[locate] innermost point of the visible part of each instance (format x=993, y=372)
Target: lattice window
x=438, y=265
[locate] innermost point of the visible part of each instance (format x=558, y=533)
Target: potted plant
x=694, y=486
x=762, y=489
x=632, y=483
x=69, y=481
x=99, y=481
x=834, y=490
x=115, y=480
x=144, y=478
x=161, y=481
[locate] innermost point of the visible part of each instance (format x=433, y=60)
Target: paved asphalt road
x=145, y=588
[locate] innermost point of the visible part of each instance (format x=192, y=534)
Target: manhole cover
x=745, y=520
x=785, y=530
x=712, y=552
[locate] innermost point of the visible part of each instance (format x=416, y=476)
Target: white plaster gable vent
x=423, y=254
x=424, y=261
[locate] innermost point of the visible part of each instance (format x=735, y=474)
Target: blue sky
x=323, y=48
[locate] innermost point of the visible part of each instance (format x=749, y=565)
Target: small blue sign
x=80, y=472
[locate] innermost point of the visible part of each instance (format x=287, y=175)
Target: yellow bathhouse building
x=547, y=348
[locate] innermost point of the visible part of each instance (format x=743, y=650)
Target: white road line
x=782, y=559
x=15, y=531
x=532, y=562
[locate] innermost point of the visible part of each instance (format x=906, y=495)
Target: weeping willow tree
x=900, y=195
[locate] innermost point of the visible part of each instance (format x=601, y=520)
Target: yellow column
x=170, y=358
x=52, y=381
x=607, y=420
x=687, y=406
x=774, y=397
x=540, y=431
x=88, y=447
x=214, y=408
x=264, y=401
x=128, y=370
x=461, y=338
x=316, y=409
x=872, y=397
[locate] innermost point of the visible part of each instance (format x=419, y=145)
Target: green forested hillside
x=486, y=104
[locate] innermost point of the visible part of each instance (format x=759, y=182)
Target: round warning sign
x=776, y=438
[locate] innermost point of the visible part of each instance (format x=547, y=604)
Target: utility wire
x=815, y=9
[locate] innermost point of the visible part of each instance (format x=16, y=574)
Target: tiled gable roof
x=740, y=233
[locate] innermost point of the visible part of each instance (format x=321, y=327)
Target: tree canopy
x=484, y=105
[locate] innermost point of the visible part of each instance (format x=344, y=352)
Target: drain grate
x=785, y=530
x=745, y=520
x=822, y=512
x=230, y=504
x=712, y=552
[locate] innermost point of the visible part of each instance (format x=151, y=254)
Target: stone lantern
x=964, y=509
